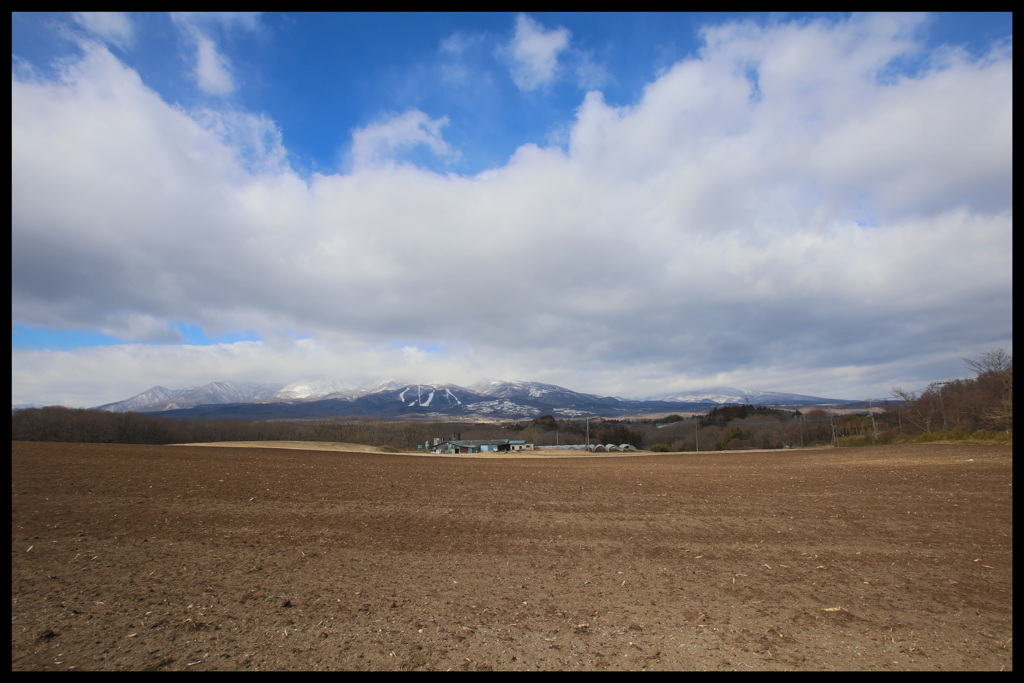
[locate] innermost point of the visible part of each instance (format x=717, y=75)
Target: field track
x=195, y=557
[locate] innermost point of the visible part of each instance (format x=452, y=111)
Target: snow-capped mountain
x=24, y=406
x=153, y=399
x=729, y=396
x=321, y=387
x=389, y=398
x=161, y=398
x=538, y=394
x=504, y=388
x=386, y=384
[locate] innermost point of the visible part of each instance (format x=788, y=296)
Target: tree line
x=87, y=425
x=977, y=407
x=984, y=402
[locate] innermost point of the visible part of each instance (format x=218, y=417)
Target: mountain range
x=393, y=399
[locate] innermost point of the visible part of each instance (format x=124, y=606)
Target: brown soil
x=199, y=558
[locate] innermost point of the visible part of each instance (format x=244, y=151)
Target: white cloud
x=381, y=142
x=255, y=139
x=113, y=27
x=533, y=52
x=460, y=42
x=213, y=73
x=227, y=21
x=213, y=70
x=589, y=73
x=70, y=377
x=707, y=234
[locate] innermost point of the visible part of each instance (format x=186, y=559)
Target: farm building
x=479, y=445
x=595, y=448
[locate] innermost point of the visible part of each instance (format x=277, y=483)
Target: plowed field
x=200, y=558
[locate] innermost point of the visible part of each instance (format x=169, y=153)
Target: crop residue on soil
x=200, y=558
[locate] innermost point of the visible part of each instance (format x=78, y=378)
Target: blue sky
x=624, y=203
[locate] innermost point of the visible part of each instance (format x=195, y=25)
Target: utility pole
x=696, y=436
x=942, y=408
x=872, y=414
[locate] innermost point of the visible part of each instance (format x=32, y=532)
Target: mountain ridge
x=492, y=398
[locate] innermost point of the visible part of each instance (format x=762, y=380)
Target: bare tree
x=996, y=361
x=995, y=372
x=919, y=409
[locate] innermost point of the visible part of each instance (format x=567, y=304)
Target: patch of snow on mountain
x=503, y=406
x=388, y=384
x=729, y=395
x=315, y=388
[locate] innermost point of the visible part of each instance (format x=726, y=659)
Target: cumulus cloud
x=382, y=142
x=213, y=74
x=213, y=71
x=778, y=211
x=254, y=139
x=533, y=52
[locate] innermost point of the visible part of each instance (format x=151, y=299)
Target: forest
x=976, y=408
